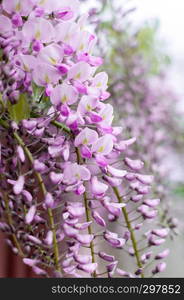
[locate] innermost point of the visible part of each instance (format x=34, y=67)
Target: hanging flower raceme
x=65, y=171
x=141, y=93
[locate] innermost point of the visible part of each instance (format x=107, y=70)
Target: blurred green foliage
x=20, y=110
x=179, y=190
x=151, y=47
x=123, y=37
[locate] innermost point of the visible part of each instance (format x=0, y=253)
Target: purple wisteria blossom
x=66, y=175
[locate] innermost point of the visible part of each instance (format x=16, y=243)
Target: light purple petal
x=30, y=214
x=99, y=220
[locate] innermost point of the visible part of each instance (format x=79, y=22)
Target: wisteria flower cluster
x=146, y=103
x=66, y=179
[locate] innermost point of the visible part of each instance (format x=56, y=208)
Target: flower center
x=101, y=149
x=64, y=99
x=85, y=141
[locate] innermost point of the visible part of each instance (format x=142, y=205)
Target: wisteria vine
x=140, y=89
x=66, y=177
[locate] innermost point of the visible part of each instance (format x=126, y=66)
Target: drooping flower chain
x=65, y=176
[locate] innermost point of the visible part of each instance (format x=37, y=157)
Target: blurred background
x=170, y=17
x=142, y=45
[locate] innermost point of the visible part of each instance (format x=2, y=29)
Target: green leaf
x=179, y=190
x=37, y=92
x=20, y=110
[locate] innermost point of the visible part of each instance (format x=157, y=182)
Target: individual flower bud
x=113, y=240
x=83, y=259
x=27, y=196
x=30, y=214
x=88, y=268
x=112, y=218
x=98, y=188
x=49, y=238
x=99, y=220
x=136, y=198
x=126, y=235
x=161, y=232
x=122, y=146
x=63, y=69
x=111, y=268
x=162, y=254
x=56, y=178
x=39, y=166
x=17, y=20
x=18, y=185
x=151, y=202
x=144, y=179
x=84, y=239
x=146, y=213
x=130, y=176
x=31, y=262
x=75, y=211
x=34, y=239
x=146, y=256
x=70, y=231
x=138, y=226
x=66, y=263
x=20, y=153
x=135, y=165
x=155, y=242
x=39, y=271
x=144, y=190
x=124, y=273
x=29, y=124
x=138, y=271
x=112, y=181
x=37, y=46
x=159, y=268
x=83, y=225
x=49, y=200
x=116, y=172
x=106, y=257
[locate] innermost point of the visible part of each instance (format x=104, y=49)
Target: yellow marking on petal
x=104, y=117
x=77, y=175
x=42, y=2
x=25, y=68
x=85, y=141
x=101, y=149
x=18, y=7
x=67, y=37
x=78, y=75
x=38, y=35
x=99, y=85
x=88, y=107
x=64, y=99
x=47, y=80
x=53, y=60
x=81, y=47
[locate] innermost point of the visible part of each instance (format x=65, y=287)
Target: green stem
x=10, y=222
x=44, y=192
x=129, y=226
x=88, y=215
x=61, y=126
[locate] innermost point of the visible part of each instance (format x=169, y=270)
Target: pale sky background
x=171, y=16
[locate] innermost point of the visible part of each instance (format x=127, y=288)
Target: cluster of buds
x=68, y=188
x=145, y=101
